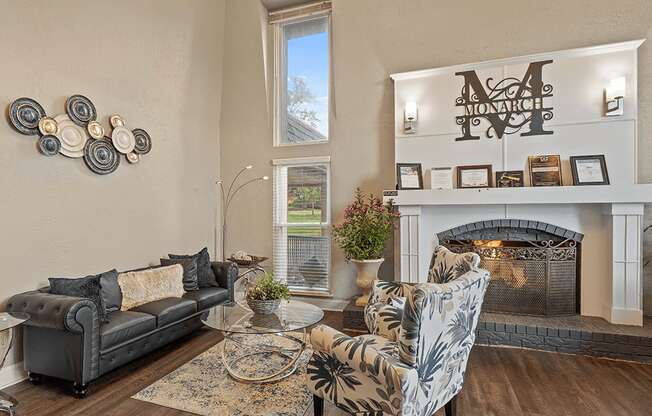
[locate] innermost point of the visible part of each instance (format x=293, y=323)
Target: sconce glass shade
x=617, y=88
x=410, y=111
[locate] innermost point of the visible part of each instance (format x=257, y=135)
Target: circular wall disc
x=72, y=137
x=143, y=142
x=25, y=114
x=123, y=140
x=133, y=157
x=95, y=129
x=117, y=121
x=49, y=145
x=47, y=125
x=80, y=110
x=101, y=157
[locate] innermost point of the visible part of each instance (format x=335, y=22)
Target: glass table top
x=291, y=315
x=9, y=320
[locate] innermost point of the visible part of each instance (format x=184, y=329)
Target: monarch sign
x=508, y=105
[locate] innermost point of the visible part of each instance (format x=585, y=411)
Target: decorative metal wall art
x=78, y=133
x=508, y=105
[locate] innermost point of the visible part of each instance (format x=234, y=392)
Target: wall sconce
x=614, y=97
x=410, y=118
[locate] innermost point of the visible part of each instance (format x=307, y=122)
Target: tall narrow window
x=301, y=223
x=302, y=81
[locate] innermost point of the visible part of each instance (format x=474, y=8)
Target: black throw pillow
x=110, y=291
x=85, y=287
x=205, y=275
x=189, y=272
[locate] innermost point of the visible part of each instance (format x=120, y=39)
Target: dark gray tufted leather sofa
x=64, y=338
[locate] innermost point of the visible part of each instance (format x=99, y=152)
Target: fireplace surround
x=534, y=266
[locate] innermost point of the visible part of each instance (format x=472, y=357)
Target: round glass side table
x=263, y=348
x=8, y=322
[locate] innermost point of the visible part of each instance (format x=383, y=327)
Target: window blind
x=305, y=10
x=301, y=226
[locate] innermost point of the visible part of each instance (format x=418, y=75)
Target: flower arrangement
x=268, y=288
x=367, y=225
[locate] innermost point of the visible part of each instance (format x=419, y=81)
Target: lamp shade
x=617, y=88
x=411, y=111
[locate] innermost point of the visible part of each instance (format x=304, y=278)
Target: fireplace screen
x=527, y=277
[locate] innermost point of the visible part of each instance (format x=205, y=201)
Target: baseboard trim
x=12, y=374
x=327, y=304
x=626, y=316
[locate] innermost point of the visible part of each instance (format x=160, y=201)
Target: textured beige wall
x=373, y=38
x=159, y=64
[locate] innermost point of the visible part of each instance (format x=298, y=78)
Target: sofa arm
x=226, y=273
x=55, y=311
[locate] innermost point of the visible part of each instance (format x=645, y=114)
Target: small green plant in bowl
x=266, y=293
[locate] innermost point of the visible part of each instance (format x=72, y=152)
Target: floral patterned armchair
x=414, y=360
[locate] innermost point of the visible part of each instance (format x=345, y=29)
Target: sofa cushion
x=110, y=291
x=123, y=326
x=84, y=287
x=189, y=272
x=139, y=288
x=208, y=297
x=168, y=310
x=205, y=275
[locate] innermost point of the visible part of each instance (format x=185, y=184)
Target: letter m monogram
x=507, y=105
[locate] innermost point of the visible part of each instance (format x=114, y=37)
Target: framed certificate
x=441, y=178
x=409, y=176
x=545, y=170
x=509, y=179
x=474, y=176
x=589, y=170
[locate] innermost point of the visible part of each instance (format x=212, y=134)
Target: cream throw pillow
x=146, y=286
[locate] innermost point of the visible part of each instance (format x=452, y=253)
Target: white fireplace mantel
x=610, y=216
x=604, y=194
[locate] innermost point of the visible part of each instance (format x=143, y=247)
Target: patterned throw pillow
x=85, y=287
x=205, y=275
x=189, y=272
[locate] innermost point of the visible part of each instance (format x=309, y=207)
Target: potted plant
x=265, y=294
x=362, y=235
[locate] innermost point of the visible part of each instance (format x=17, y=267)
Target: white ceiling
x=272, y=5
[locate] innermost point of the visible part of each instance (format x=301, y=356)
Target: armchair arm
x=360, y=355
x=226, y=273
x=55, y=311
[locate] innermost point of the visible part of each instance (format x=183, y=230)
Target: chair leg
x=450, y=409
x=318, y=405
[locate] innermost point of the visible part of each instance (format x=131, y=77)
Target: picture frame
x=545, y=170
x=510, y=179
x=474, y=176
x=589, y=170
x=441, y=178
x=409, y=176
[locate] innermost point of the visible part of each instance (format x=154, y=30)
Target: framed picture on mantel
x=545, y=170
x=474, y=176
x=409, y=176
x=589, y=170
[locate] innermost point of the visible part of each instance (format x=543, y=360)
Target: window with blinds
x=301, y=224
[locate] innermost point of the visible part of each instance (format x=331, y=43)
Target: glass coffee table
x=267, y=346
x=9, y=321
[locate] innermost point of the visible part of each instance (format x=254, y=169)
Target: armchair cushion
x=383, y=319
x=446, y=266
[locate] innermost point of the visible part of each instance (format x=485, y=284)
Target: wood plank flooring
x=499, y=382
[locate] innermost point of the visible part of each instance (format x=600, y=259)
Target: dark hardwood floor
x=499, y=381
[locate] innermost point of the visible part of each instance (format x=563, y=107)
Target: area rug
x=203, y=386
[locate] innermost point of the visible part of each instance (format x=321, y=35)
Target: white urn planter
x=367, y=272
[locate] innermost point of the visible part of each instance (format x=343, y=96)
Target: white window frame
x=280, y=224
x=280, y=79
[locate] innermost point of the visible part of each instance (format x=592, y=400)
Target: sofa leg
x=34, y=378
x=450, y=409
x=79, y=389
x=318, y=405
